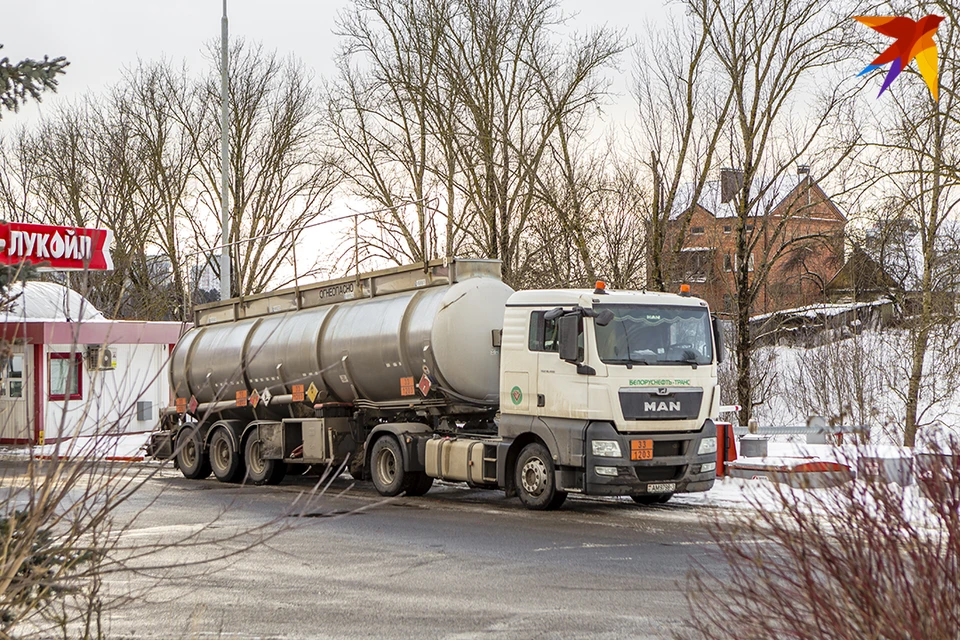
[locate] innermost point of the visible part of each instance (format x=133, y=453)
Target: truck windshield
x=648, y=335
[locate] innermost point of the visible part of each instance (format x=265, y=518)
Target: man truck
x=442, y=371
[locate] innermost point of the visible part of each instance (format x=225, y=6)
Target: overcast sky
x=101, y=37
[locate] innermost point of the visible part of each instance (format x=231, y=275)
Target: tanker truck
x=441, y=371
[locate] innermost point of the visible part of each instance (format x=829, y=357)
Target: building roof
x=776, y=192
x=48, y=302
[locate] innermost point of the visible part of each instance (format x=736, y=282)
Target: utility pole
x=224, y=161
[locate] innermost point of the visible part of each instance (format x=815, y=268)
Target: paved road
x=457, y=563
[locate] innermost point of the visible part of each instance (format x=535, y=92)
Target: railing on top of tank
x=407, y=278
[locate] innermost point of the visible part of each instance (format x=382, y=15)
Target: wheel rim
x=533, y=476
x=254, y=462
x=188, y=454
x=221, y=453
x=386, y=466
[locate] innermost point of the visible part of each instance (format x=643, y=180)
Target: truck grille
x=676, y=404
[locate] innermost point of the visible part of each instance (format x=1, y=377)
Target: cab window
x=543, y=333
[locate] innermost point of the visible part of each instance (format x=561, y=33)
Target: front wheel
x=386, y=467
x=260, y=471
x=536, y=479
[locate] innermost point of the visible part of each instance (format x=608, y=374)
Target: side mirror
x=569, y=328
x=718, y=339
x=553, y=314
x=604, y=318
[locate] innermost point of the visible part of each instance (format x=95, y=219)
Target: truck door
x=561, y=391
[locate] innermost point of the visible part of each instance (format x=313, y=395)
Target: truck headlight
x=607, y=448
x=707, y=445
x=709, y=466
x=606, y=471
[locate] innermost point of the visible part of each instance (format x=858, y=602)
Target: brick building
x=800, y=269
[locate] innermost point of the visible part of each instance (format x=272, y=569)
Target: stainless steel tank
x=358, y=349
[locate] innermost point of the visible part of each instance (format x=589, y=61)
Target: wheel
x=535, y=479
x=225, y=460
x=420, y=483
x=653, y=498
x=386, y=467
x=260, y=471
x=190, y=459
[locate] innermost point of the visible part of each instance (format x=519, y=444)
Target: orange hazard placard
x=242, y=398
x=407, y=387
x=297, y=390
x=641, y=449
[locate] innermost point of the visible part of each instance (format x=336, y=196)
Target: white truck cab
x=621, y=386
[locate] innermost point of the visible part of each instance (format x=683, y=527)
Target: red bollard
x=726, y=447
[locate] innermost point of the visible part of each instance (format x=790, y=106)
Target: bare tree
x=919, y=155
x=280, y=179
x=683, y=106
x=385, y=114
x=768, y=54
x=464, y=102
x=864, y=560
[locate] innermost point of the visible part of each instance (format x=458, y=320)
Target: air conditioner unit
x=101, y=358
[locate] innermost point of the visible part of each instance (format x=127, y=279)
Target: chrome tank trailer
x=413, y=336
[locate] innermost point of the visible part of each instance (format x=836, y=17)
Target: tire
x=420, y=483
x=386, y=467
x=652, y=498
x=260, y=471
x=190, y=458
x=536, y=479
x=225, y=460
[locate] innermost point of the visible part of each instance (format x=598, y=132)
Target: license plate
x=641, y=449
x=662, y=487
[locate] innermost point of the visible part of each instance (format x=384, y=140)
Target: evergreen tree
x=27, y=79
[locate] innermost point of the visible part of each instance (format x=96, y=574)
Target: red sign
x=424, y=385
x=57, y=248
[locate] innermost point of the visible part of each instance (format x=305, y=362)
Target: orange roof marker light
x=601, y=288
x=685, y=290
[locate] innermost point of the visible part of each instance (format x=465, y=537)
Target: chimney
x=731, y=182
x=803, y=170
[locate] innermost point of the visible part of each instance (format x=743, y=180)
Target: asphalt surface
x=456, y=563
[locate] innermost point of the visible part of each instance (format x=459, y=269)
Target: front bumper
x=675, y=461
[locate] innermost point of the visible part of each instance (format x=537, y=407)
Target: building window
x=66, y=371
x=727, y=260
x=697, y=231
x=11, y=385
x=749, y=227
x=727, y=228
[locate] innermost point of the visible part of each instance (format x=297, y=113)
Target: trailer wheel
x=386, y=467
x=225, y=460
x=652, y=498
x=536, y=480
x=420, y=483
x=260, y=471
x=190, y=459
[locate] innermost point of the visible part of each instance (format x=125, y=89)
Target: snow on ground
x=123, y=447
